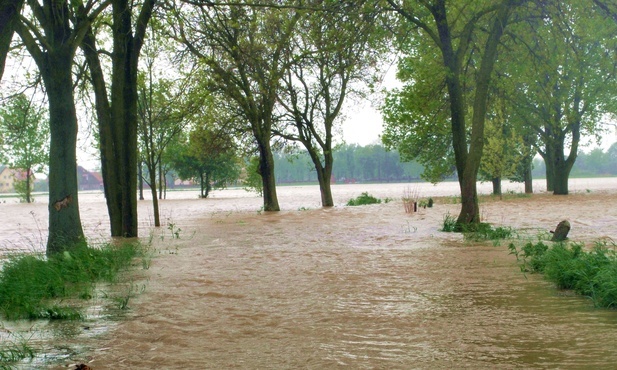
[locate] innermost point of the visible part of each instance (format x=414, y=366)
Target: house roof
x=97, y=175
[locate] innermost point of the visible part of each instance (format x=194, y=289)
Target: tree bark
x=549, y=165
x=9, y=16
x=468, y=154
x=106, y=135
x=561, y=181
x=65, y=230
x=207, y=185
x=124, y=114
x=496, y=185
x=324, y=175
x=118, y=119
x=155, y=201
x=55, y=65
x=28, y=186
x=528, y=178
x=266, y=170
x=140, y=175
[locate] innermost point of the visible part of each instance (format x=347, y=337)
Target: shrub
x=363, y=199
x=592, y=274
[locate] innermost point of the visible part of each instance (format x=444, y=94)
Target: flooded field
x=366, y=287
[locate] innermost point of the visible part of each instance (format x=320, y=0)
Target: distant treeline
x=372, y=163
x=352, y=163
x=594, y=163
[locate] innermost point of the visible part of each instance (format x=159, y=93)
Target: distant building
x=8, y=176
x=89, y=180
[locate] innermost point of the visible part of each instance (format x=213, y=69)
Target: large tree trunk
x=266, y=171
x=496, y=185
x=118, y=119
x=65, y=230
x=106, y=128
x=561, y=181
x=549, y=165
x=557, y=166
x=124, y=107
x=468, y=154
x=324, y=176
x=9, y=15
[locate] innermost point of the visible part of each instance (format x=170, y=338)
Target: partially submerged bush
x=484, y=231
x=589, y=273
x=32, y=286
x=449, y=223
x=363, y=199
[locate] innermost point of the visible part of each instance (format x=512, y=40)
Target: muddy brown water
x=348, y=287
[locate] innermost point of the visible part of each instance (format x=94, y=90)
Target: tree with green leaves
x=339, y=47
x=416, y=118
x=466, y=39
x=52, y=34
x=504, y=147
x=163, y=108
x=242, y=48
x=563, y=73
x=25, y=140
x=210, y=156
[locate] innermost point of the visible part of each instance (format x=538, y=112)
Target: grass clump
x=590, y=273
x=484, y=231
x=449, y=224
x=363, y=199
x=12, y=353
x=35, y=287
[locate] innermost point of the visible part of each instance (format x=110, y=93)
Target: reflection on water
x=353, y=287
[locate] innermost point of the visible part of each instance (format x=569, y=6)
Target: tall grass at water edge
x=35, y=287
x=591, y=273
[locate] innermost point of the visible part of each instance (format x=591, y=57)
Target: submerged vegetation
x=477, y=232
x=364, y=199
x=11, y=353
x=35, y=287
x=590, y=273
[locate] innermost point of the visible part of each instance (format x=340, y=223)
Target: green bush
x=32, y=286
x=590, y=273
x=363, y=199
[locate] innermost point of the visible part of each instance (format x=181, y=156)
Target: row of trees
x=353, y=163
x=260, y=75
x=373, y=163
x=491, y=84
x=593, y=163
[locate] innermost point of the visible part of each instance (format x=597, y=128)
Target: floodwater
x=366, y=287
